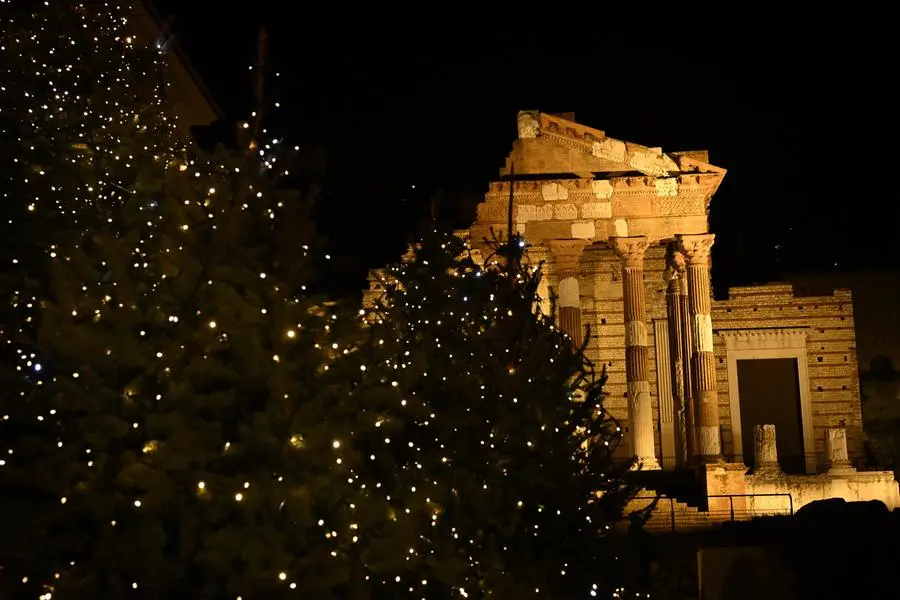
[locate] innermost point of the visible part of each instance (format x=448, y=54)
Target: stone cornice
x=631, y=250
x=651, y=161
x=580, y=138
x=696, y=248
x=764, y=339
x=666, y=186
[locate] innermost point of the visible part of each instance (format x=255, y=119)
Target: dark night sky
x=803, y=129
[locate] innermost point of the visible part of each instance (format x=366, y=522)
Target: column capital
x=537, y=253
x=696, y=248
x=630, y=249
x=567, y=254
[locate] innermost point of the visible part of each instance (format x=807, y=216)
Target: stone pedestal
x=696, y=250
x=640, y=410
x=764, y=450
x=837, y=459
x=726, y=490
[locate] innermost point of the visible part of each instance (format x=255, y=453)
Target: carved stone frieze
x=492, y=212
x=565, y=212
x=596, y=210
x=666, y=186
x=651, y=163
x=526, y=213
x=554, y=191
x=602, y=188
x=681, y=205
x=609, y=149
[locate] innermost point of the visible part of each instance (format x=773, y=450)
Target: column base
x=646, y=463
x=768, y=469
x=842, y=469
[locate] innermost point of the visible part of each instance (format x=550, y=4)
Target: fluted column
x=640, y=410
x=687, y=344
x=677, y=353
x=567, y=268
x=696, y=249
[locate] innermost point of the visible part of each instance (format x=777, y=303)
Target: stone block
x=602, y=188
x=552, y=192
x=583, y=230
x=565, y=212
x=596, y=210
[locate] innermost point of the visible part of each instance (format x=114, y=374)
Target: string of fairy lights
x=93, y=158
x=64, y=99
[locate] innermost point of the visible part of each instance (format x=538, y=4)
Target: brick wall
x=830, y=347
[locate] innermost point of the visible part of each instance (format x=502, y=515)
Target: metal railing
x=721, y=508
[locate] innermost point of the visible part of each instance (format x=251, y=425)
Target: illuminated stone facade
x=624, y=236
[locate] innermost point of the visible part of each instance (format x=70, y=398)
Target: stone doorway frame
x=749, y=344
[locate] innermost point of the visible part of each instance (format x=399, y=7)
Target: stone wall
x=770, y=493
x=876, y=301
x=830, y=353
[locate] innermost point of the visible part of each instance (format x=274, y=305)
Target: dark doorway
x=770, y=393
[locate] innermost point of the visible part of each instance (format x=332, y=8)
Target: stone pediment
x=549, y=144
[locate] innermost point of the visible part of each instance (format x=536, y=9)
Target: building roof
x=193, y=101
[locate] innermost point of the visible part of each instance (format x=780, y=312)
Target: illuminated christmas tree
x=180, y=406
x=181, y=419
x=496, y=451
x=84, y=125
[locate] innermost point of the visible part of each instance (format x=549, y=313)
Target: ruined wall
x=830, y=346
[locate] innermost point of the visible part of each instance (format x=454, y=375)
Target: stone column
x=765, y=452
x=640, y=411
x=838, y=461
x=677, y=356
x=567, y=268
x=687, y=344
x=696, y=250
